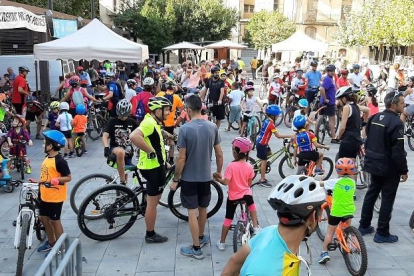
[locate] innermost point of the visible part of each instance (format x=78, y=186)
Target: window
x=311, y=31
x=246, y=8
x=251, y=8
x=275, y=5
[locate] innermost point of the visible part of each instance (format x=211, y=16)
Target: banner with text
x=62, y=28
x=13, y=18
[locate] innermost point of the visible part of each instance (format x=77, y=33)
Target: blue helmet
x=273, y=110
x=299, y=121
x=303, y=103
x=138, y=89
x=56, y=137
x=80, y=109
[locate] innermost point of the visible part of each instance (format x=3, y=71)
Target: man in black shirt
x=215, y=90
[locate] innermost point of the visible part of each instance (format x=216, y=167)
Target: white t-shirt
x=129, y=93
x=65, y=121
x=276, y=87
x=409, y=99
x=357, y=79
x=296, y=114
x=236, y=96
x=249, y=105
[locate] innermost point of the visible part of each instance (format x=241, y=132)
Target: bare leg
x=151, y=211
x=254, y=219
x=120, y=160
x=202, y=218
x=263, y=165
x=57, y=228
x=48, y=228
x=224, y=232
x=332, y=126
x=194, y=227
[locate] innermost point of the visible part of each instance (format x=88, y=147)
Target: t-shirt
x=343, y=196
x=79, y=123
x=304, y=141
x=65, y=121
x=236, y=96
x=119, y=131
x=17, y=97
x=153, y=138
x=313, y=78
x=177, y=104
x=254, y=63
x=239, y=174
x=198, y=137
x=85, y=77
x=215, y=89
x=52, y=117
x=357, y=79
x=241, y=64
x=330, y=90
x=249, y=105
x=129, y=93
x=266, y=132
x=194, y=80
x=269, y=255
x=275, y=89
x=72, y=90
x=300, y=85
x=341, y=82
x=53, y=167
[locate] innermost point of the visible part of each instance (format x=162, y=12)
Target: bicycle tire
x=410, y=142
x=262, y=91
x=255, y=167
x=4, y=149
x=8, y=187
x=364, y=255
x=22, y=167
x=280, y=118
x=96, y=126
x=40, y=230
x=411, y=221
x=238, y=232
x=319, y=231
x=331, y=167
x=288, y=117
x=73, y=194
x=162, y=202
x=282, y=165
x=321, y=131
x=22, y=243
x=177, y=212
x=130, y=197
x=80, y=147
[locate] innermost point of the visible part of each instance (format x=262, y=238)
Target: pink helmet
x=248, y=87
x=242, y=144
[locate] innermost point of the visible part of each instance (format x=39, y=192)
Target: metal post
x=50, y=4
x=92, y=9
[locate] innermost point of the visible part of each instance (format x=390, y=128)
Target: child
x=343, y=207
x=275, y=89
x=238, y=176
x=306, y=143
x=184, y=118
x=18, y=133
x=54, y=170
x=303, y=105
x=235, y=98
x=64, y=124
x=79, y=123
x=262, y=143
x=53, y=115
x=248, y=105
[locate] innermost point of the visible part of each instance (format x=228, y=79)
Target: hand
x=404, y=177
x=327, y=147
x=31, y=180
x=217, y=175
x=326, y=101
x=219, y=102
x=30, y=143
x=173, y=185
x=107, y=152
x=55, y=181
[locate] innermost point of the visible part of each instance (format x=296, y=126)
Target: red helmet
x=344, y=72
x=20, y=118
x=345, y=166
x=84, y=82
x=79, y=68
x=242, y=145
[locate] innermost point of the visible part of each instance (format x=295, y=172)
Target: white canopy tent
x=94, y=41
x=183, y=46
x=299, y=41
x=226, y=44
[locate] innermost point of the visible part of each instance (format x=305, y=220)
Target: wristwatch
x=151, y=155
x=174, y=180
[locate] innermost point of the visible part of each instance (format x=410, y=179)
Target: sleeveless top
x=353, y=125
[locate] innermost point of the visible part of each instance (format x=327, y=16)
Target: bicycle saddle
x=237, y=202
x=130, y=168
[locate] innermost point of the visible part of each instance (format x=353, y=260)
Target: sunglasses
x=396, y=94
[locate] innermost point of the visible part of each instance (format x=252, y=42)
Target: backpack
x=120, y=91
x=77, y=97
x=140, y=112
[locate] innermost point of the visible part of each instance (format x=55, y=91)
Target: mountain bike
x=116, y=208
x=409, y=126
x=96, y=122
x=79, y=144
x=6, y=180
x=310, y=166
x=322, y=126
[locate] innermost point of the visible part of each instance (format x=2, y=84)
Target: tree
x=266, y=28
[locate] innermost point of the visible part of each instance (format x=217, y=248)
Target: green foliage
x=266, y=28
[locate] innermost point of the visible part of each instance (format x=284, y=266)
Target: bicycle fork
x=19, y=229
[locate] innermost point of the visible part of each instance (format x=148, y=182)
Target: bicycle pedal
x=332, y=246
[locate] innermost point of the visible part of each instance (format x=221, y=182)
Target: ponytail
x=374, y=101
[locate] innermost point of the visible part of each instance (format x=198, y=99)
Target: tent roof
x=183, y=45
x=94, y=41
x=225, y=44
x=299, y=41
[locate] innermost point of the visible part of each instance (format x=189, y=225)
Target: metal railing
x=65, y=258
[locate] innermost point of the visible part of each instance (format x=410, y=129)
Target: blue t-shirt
x=269, y=255
x=112, y=87
x=330, y=90
x=313, y=78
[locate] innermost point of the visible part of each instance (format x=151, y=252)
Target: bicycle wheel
x=116, y=208
x=4, y=149
x=411, y=221
x=288, y=117
x=286, y=167
x=321, y=131
x=24, y=231
x=22, y=167
x=262, y=91
x=327, y=166
x=323, y=223
x=9, y=187
x=409, y=140
x=255, y=167
x=377, y=205
x=85, y=186
x=95, y=129
x=357, y=260
x=279, y=119
x=239, y=234
x=181, y=212
x=164, y=197
x=79, y=147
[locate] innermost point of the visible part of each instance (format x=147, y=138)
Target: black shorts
x=127, y=159
x=231, y=205
x=310, y=95
x=329, y=110
x=155, y=180
x=170, y=129
x=349, y=150
x=246, y=118
x=50, y=209
x=218, y=111
x=18, y=107
x=80, y=134
x=334, y=221
x=262, y=151
x=306, y=156
x=195, y=194
x=32, y=116
x=67, y=133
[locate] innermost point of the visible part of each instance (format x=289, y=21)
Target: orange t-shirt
x=53, y=167
x=80, y=123
x=177, y=103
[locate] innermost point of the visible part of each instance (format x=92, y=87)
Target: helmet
x=148, y=82
x=303, y=103
x=299, y=121
x=330, y=67
x=299, y=70
x=64, y=106
x=356, y=66
x=248, y=87
x=345, y=166
x=30, y=99
x=54, y=105
x=158, y=102
x=344, y=91
x=275, y=76
x=314, y=63
x=55, y=137
x=23, y=68
x=80, y=109
x=123, y=108
x=79, y=68
x=344, y=72
x=273, y=110
x=131, y=82
x=204, y=107
x=20, y=118
x=295, y=198
x=171, y=84
x=138, y=89
x=215, y=69
x=372, y=91
x=74, y=80
x=242, y=145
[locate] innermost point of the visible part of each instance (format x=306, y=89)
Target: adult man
x=233, y=64
x=253, y=65
x=12, y=75
x=386, y=161
x=314, y=78
x=215, y=88
x=20, y=89
x=241, y=63
x=149, y=140
x=203, y=70
x=194, y=80
x=327, y=98
x=114, y=93
x=83, y=76
x=162, y=83
x=356, y=78
x=34, y=111
x=93, y=74
x=193, y=169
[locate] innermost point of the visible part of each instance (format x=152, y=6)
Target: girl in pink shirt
x=238, y=176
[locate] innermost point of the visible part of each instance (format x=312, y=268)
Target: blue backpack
x=140, y=113
x=169, y=97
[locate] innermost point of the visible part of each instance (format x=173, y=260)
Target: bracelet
x=176, y=180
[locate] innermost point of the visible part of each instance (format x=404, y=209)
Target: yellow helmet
x=54, y=104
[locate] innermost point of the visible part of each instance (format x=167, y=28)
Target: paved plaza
x=130, y=255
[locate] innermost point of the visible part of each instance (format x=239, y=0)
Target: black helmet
x=372, y=91
x=314, y=63
x=330, y=67
x=215, y=69
x=23, y=68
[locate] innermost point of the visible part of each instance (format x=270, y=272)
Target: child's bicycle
x=80, y=145
x=253, y=128
x=6, y=180
x=20, y=158
x=347, y=238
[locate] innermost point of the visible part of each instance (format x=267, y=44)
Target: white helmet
x=344, y=91
x=148, y=81
x=64, y=106
x=276, y=76
x=295, y=198
x=123, y=108
x=110, y=74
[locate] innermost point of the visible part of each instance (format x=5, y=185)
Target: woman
x=408, y=100
x=401, y=79
x=392, y=78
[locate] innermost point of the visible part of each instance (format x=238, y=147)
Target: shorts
x=231, y=205
x=67, y=134
x=329, y=111
x=334, y=221
x=306, y=156
x=246, y=118
x=218, y=112
x=170, y=129
x=32, y=116
x=262, y=151
x=127, y=160
x=195, y=194
x=52, y=210
x=155, y=180
x=410, y=109
x=348, y=149
x=235, y=114
x=18, y=107
x=79, y=134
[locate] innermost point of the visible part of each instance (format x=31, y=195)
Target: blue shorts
x=262, y=151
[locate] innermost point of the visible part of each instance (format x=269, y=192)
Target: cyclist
x=20, y=89
x=356, y=79
x=117, y=130
x=274, y=251
x=343, y=207
x=303, y=104
x=248, y=105
x=299, y=85
x=262, y=143
x=305, y=143
x=53, y=115
x=215, y=89
x=115, y=94
x=54, y=170
x=235, y=99
x=152, y=160
x=314, y=78
x=140, y=101
x=275, y=89
x=238, y=176
x=130, y=92
x=343, y=80
x=79, y=123
x=327, y=98
x=33, y=111
x=409, y=101
x=83, y=76
x=17, y=134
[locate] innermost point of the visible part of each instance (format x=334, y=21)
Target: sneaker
x=28, y=170
x=189, y=251
x=319, y=171
x=324, y=257
x=256, y=230
x=335, y=141
x=45, y=247
x=221, y=246
x=85, y=152
x=204, y=241
x=385, y=239
x=366, y=231
x=265, y=184
x=39, y=137
x=71, y=155
x=65, y=156
x=157, y=238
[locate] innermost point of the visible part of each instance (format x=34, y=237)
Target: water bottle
x=6, y=176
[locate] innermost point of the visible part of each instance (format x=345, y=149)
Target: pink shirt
x=194, y=80
x=373, y=109
x=238, y=174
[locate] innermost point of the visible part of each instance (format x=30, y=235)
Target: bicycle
x=322, y=126
x=253, y=128
x=80, y=145
x=6, y=181
x=409, y=126
x=96, y=122
x=234, y=125
x=310, y=166
x=290, y=111
x=20, y=158
x=112, y=202
x=263, y=88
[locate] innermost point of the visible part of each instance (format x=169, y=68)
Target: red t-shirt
x=17, y=97
x=341, y=82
